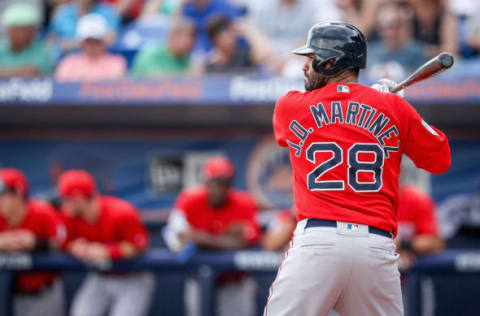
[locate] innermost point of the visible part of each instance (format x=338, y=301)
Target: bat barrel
x=446, y=60
x=431, y=68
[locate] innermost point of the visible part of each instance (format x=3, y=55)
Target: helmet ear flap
x=318, y=65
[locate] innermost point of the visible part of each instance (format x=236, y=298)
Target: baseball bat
x=431, y=68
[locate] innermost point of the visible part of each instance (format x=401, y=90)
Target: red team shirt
x=416, y=213
x=346, y=143
x=118, y=221
x=239, y=208
x=44, y=223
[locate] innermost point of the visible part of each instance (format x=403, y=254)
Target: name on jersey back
x=360, y=115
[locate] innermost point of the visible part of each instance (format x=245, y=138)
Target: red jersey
x=416, y=213
x=239, y=208
x=118, y=221
x=346, y=142
x=44, y=223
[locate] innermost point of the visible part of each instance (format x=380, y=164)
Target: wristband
x=115, y=252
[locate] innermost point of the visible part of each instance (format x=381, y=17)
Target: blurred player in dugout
x=27, y=225
x=418, y=232
x=101, y=229
x=216, y=217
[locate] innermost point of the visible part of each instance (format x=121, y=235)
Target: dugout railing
x=451, y=277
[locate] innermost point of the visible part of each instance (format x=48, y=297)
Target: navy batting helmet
x=341, y=43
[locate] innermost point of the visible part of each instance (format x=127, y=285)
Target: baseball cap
x=76, y=183
x=219, y=167
x=13, y=180
x=20, y=14
x=92, y=26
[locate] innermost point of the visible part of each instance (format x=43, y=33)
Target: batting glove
x=384, y=85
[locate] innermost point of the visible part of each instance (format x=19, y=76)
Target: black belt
x=313, y=222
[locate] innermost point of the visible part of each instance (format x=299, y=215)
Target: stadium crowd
x=104, y=39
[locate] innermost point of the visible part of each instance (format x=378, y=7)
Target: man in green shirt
x=22, y=55
x=170, y=59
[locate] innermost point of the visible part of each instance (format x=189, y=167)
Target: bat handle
x=397, y=88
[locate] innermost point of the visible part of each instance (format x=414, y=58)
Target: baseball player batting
x=346, y=141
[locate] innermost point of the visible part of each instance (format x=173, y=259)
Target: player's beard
x=314, y=80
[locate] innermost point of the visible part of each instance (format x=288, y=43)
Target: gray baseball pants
x=49, y=302
x=346, y=269
x=233, y=299
x=121, y=295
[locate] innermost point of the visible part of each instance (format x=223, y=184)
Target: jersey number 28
x=354, y=167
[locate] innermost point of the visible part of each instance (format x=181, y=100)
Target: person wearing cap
x=418, y=232
x=94, y=62
x=102, y=229
x=63, y=25
x=22, y=55
x=28, y=225
x=217, y=217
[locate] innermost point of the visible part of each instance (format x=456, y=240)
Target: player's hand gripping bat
x=431, y=68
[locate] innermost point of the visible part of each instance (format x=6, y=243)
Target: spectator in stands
x=160, y=7
x=39, y=5
x=396, y=54
x=238, y=47
x=171, y=59
x=464, y=8
x=435, y=26
x=50, y=6
x=128, y=10
x=360, y=13
x=201, y=11
x=279, y=231
x=418, y=233
x=27, y=225
x=216, y=217
x=63, y=27
x=22, y=55
x=94, y=62
x=473, y=30
x=101, y=229
x=275, y=17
